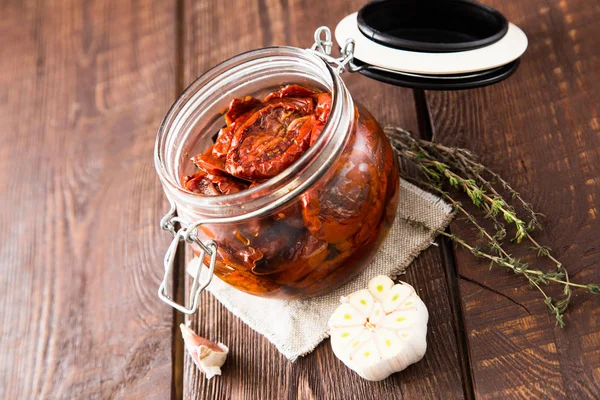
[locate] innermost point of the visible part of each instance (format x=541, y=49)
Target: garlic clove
x=347, y=315
x=397, y=296
x=362, y=301
x=345, y=336
x=397, y=320
x=368, y=352
x=377, y=314
x=208, y=356
x=379, y=286
x=389, y=339
x=390, y=343
x=345, y=351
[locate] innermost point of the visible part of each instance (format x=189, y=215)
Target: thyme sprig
x=444, y=167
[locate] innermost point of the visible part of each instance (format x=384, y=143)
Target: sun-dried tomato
x=270, y=141
x=323, y=107
x=209, y=163
x=338, y=211
x=213, y=185
x=291, y=91
x=239, y=107
x=200, y=184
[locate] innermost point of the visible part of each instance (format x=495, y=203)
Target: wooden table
x=83, y=87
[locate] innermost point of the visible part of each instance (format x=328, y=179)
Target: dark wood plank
x=541, y=130
x=83, y=87
x=255, y=370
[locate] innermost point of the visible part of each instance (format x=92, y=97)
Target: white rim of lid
x=502, y=52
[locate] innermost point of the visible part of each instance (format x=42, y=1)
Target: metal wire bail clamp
x=186, y=234
x=323, y=45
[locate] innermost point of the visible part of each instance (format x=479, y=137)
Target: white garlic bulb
x=380, y=330
x=208, y=356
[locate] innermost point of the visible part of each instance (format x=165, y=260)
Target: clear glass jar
x=314, y=226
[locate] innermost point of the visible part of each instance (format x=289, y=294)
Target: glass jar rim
x=293, y=180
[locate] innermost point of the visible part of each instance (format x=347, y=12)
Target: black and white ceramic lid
x=432, y=44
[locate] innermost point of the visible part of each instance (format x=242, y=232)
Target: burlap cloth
x=296, y=327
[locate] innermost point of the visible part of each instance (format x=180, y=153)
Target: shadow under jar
x=314, y=226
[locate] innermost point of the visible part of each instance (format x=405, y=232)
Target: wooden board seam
x=449, y=264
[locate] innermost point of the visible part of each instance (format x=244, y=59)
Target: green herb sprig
x=457, y=169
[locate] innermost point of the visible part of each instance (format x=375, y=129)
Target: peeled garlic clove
x=362, y=300
x=387, y=339
x=348, y=335
x=345, y=349
x=347, y=315
x=208, y=356
x=377, y=314
x=368, y=352
x=379, y=286
x=397, y=297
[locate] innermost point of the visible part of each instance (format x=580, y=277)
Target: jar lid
x=432, y=44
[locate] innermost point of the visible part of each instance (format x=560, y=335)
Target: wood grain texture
x=83, y=87
x=254, y=369
x=540, y=129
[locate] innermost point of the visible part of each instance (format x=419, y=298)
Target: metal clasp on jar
x=186, y=233
x=322, y=47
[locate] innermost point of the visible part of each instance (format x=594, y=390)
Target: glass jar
x=309, y=229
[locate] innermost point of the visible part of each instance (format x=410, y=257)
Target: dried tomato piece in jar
x=338, y=211
x=209, y=163
x=274, y=246
x=290, y=91
x=240, y=106
x=256, y=246
x=321, y=115
x=232, y=270
x=213, y=185
x=200, y=184
x=322, y=109
x=291, y=215
x=271, y=140
x=240, y=109
x=302, y=257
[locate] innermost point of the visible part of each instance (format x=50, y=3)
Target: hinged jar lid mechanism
x=185, y=234
x=432, y=44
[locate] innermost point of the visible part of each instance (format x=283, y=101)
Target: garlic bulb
x=380, y=330
x=208, y=356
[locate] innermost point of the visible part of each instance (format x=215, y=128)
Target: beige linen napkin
x=296, y=327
